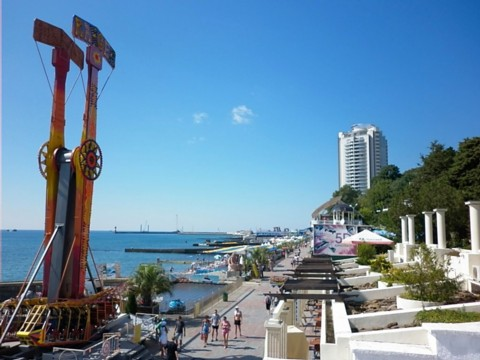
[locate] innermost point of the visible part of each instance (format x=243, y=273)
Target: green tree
x=149, y=280
x=349, y=194
x=465, y=170
x=376, y=201
x=389, y=172
x=437, y=163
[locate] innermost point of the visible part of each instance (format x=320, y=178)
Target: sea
x=19, y=248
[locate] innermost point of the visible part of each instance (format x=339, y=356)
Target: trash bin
x=225, y=296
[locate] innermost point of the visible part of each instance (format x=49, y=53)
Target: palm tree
x=259, y=255
x=149, y=280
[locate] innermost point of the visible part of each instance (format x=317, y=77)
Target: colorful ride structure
x=65, y=314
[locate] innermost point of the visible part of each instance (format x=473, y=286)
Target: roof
x=324, y=208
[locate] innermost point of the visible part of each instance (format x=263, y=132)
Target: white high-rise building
x=362, y=152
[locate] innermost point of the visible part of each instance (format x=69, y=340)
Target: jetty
x=147, y=232
x=168, y=251
x=175, y=232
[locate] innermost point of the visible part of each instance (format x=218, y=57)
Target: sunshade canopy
x=369, y=237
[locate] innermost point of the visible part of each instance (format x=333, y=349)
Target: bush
x=427, y=279
x=365, y=253
x=445, y=316
x=380, y=264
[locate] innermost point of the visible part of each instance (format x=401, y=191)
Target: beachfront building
x=362, y=152
x=309, y=305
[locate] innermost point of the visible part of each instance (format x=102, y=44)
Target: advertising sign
x=328, y=240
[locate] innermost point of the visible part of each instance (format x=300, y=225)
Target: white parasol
x=368, y=237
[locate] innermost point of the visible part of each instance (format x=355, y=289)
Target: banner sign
x=327, y=240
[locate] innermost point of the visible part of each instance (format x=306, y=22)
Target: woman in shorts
x=205, y=330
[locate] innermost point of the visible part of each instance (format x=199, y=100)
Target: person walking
x=162, y=330
x=215, y=324
x=237, y=321
x=179, y=332
x=268, y=303
x=205, y=330
x=171, y=350
x=225, y=331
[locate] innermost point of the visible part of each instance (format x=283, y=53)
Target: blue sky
x=224, y=115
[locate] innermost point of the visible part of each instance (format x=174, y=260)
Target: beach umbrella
x=367, y=237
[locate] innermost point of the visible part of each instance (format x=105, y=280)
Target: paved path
x=250, y=299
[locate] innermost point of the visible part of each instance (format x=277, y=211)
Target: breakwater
x=168, y=251
x=179, y=232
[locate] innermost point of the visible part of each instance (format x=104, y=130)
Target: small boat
x=176, y=305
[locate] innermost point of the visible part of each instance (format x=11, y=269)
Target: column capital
x=402, y=217
x=440, y=210
x=411, y=216
x=473, y=203
x=428, y=212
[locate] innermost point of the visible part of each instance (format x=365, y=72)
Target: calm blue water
x=18, y=250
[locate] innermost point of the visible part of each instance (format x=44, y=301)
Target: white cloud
x=241, y=115
x=200, y=117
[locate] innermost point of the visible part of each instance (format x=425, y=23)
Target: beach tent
x=368, y=237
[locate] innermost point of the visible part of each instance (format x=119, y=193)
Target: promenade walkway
x=251, y=301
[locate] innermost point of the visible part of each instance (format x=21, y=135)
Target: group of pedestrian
x=211, y=324
x=170, y=349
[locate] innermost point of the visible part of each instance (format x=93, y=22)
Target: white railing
x=109, y=346
x=147, y=325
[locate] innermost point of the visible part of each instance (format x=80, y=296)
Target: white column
x=411, y=229
x=474, y=207
x=441, y=233
x=276, y=339
x=404, y=229
x=428, y=227
x=391, y=256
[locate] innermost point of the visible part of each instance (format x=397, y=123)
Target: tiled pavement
x=250, y=299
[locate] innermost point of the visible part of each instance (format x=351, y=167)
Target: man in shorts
x=237, y=321
x=215, y=319
x=180, y=332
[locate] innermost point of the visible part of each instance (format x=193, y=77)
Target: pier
x=170, y=251
x=176, y=232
